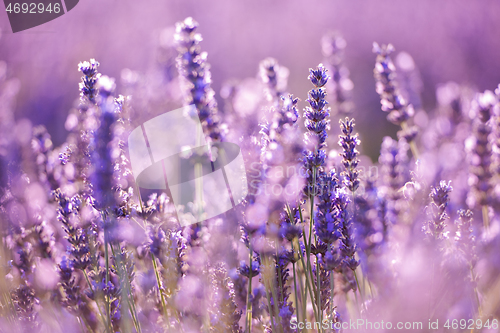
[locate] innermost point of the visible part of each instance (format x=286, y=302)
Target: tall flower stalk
x=195, y=71
x=391, y=99
x=480, y=151
x=316, y=122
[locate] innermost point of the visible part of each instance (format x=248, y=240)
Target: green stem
x=307, y=272
x=476, y=294
x=486, y=218
x=268, y=297
x=248, y=323
x=126, y=291
x=318, y=297
x=413, y=146
x=295, y=283
x=359, y=289
x=162, y=297
x=106, y=297
x=104, y=322
x=308, y=285
x=332, y=288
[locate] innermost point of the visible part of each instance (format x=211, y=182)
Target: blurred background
x=448, y=40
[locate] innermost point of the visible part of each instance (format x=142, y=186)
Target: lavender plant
x=84, y=249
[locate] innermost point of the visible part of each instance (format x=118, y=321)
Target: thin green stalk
x=104, y=322
x=332, y=288
x=308, y=244
x=81, y=324
x=371, y=288
x=486, y=218
x=162, y=297
x=318, y=298
x=359, y=289
x=413, y=146
x=268, y=297
x=311, y=217
x=279, y=275
x=289, y=212
x=248, y=322
x=273, y=290
x=307, y=272
x=127, y=290
x=476, y=294
x=308, y=286
x=295, y=291
x=106, y=297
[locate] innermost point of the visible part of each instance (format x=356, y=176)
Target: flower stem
x=486, y=218
x=413, y=146
x=162, y=297
x=248, y=321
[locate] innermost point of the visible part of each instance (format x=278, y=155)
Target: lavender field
x=368, y=197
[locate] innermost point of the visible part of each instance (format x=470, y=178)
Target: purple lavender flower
x=349, y=142
x=437, y=210
x=289, y=229
x=324, y=282
x=480, y=150
x=72, y=299
x=24, y=300
x=45, y=241
x=347, y=242
x=317, y=112
x=326, y=225
x=76, y=236
x=88, y=89
x=390, y=97
x=274, y=134
x=274, y=77
x=465, y=238
x=333, y=46
x=225, y=316
x=284, y=307
x=496, y=136
x=43, y=148
x=316, y=123
x=193, y=67
x=102, y=155
x=393, y=158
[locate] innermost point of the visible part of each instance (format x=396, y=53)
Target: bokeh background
x=448, y=40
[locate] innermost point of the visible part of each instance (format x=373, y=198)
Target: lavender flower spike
x=437, y=210
x=193, y=67
x=274, y=77
x=316, y=123
x=316, y=113
x=347, y=243
x=349, y=142
x=333, y=46
x=102, y=155
x=390, y=97
x=326, y=225
x=88, y=89
x=481, y=151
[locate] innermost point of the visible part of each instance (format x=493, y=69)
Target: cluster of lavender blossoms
x=85, y=249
